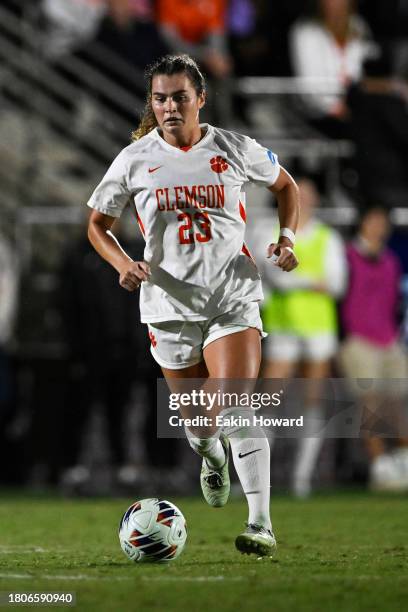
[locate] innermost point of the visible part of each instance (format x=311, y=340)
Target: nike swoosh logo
x=242, y=455
x=154, y=169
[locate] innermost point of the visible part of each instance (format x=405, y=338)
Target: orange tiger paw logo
x=152, y=339
x=218, y=164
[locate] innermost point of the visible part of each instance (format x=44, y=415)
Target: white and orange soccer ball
x=152, y=530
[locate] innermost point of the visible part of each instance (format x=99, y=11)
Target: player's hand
x=282, y=255
x=133, y=273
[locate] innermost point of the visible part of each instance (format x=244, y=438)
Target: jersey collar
x=176, y=150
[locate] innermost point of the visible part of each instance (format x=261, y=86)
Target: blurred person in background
x=330, y=42
x=86, y=31
x=125, y=26
x=70, y=25
x=198, y=28
x=8, y=307
x=130, y=30
x=300, y=315
x=379, y=127
x=371, y=349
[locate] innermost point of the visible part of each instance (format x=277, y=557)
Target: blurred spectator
x=130, y=30
x=379, y=126
x=371, y=349
x=331, y=43
x=71, y=24
x=198, y=27
x=300, y=315
x=126, y=28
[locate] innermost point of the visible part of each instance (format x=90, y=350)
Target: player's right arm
x=131, y=273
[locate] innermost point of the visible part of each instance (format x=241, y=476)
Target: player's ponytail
x=147, y=123
x=168, y=65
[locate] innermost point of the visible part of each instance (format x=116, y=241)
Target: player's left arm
x=287, y=194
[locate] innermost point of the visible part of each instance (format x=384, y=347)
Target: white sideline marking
x=10, y=550
x=193, y=578
x=145, y=578
x=15, y=576
x=85, y=577
x=22, y=548
x=63, y=577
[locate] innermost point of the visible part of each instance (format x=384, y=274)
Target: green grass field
x=335, y=552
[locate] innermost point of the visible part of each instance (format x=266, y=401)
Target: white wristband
x=287, y=233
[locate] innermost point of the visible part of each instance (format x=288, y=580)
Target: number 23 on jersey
x=191, y=222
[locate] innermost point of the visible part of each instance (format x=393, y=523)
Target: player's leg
x=238, y=356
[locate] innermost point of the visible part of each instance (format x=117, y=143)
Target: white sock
x=270, y=436
x=308, y=451
x=209, y=448
x=251, y=455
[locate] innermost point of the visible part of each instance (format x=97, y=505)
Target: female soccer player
x=199, y=285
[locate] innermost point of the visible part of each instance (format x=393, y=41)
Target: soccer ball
x=152, y=530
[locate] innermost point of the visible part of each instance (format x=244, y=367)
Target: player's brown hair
x=168, y=65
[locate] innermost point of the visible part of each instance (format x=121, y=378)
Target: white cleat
x=257, y=540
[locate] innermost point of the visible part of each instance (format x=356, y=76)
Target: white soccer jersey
x=190, y=206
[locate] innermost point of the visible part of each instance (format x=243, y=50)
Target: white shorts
x=180, y=344
x=287, y=347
